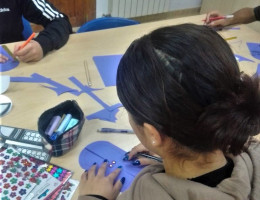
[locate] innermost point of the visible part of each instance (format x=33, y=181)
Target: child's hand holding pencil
x=216, y=19
x=29, y=51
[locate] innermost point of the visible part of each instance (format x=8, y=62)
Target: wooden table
x=30, y=100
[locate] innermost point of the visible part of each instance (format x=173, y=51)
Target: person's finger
x=92, y=171
x=24, y=51
x=16, y=47
x=210, y=15
x=114, y=174
x=3, y=58
x=119, y=184
x=26, y=58
x=217, y=23
x=102, y=170
x=84, y=175
x=146, y=161
x=206, y=19
x=135, y=150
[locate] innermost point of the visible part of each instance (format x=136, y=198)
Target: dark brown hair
x=185, y=81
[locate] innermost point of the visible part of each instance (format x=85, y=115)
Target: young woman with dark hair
x=189, y=104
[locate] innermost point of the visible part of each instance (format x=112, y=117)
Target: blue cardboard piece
x=37, y=78
x=107, y=114
x=101, y=150
x=8, y=65
x=254, y=49
x=241, y=58
x=107, y=68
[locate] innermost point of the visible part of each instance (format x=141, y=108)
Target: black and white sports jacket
x=56, y=24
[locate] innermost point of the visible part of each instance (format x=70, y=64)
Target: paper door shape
x=101, y=150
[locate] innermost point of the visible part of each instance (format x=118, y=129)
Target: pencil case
x=67, y=139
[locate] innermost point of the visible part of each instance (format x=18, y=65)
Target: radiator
x=136, y=8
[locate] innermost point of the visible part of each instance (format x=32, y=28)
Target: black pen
x=150, y=157
x=113, y=130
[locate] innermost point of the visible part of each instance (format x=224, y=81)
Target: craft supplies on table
x=27, y=178
x=28, y=142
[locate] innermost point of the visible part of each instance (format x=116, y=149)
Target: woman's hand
x=93, y=183
x=139, y=160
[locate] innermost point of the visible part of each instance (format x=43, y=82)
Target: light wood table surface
x=30, y=100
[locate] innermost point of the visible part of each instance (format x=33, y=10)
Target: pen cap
x=65, y=141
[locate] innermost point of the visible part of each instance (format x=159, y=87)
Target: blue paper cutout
x=37, y=78
x=108, y=113
x=100, y=150
x=107, y=67
x=88, y=90
x=9, y=64
x=254, y=49
x=241, y=58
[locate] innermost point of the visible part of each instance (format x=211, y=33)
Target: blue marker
x=72, y=123
x=64, y=124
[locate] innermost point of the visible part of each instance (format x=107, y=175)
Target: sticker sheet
x=68, y=190
x=23, y=177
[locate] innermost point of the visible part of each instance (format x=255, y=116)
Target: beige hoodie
x=152, y=183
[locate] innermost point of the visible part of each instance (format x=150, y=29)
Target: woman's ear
x=153, y=136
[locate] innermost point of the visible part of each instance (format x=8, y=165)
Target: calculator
x=28, y=142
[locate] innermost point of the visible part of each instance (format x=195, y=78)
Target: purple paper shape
x=254, y=49
x=101, y=150
x=9, y=64
x=241, y=58
x=88, y=90
x=107, y=68
x=37, y=78
x=107, y=114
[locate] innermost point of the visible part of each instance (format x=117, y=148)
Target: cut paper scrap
x=10, y=63
x=107, y=68
x=241, y=58
x=101, y=150
x=88, y=90
x=254, y=49
x=107, y=114
x=37, y=78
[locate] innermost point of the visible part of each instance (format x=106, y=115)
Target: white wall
x=101, y=8
x=107, y=6
x=184, y=4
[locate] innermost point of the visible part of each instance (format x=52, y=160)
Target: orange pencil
x=27, y=41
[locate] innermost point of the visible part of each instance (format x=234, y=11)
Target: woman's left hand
x=98, y=184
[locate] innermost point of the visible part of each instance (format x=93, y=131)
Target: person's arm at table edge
x=56, y=31
x=245, y=16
